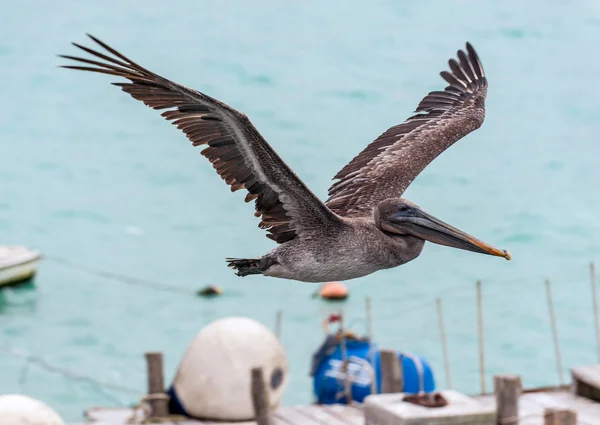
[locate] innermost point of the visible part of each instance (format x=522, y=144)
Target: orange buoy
x=333, y=291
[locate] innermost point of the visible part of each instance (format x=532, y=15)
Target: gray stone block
x=389, y=409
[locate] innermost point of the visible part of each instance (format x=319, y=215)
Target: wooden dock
x=289, y=415
x=576, y=404
x=532, y=405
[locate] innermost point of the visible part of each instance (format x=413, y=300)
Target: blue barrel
x=328, y=380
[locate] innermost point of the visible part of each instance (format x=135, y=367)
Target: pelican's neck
x=407, y=247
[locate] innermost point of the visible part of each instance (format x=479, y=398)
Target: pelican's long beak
x=425, y=226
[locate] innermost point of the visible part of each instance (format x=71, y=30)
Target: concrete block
x=389, y=409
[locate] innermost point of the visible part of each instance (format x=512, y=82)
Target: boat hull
x=20, y=273
x=17, y=265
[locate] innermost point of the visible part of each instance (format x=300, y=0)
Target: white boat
x=17, y=264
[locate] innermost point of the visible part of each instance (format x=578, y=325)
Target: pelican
x=365, y=225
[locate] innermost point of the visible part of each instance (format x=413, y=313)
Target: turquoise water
x=89, y=174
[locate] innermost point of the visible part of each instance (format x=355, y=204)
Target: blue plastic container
x=328, y=380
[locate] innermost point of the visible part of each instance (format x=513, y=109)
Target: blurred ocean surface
x=89, y=174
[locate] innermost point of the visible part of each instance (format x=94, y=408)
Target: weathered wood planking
x=586, y=381
x=532, y=405
x=531, y=411
x=288, y=415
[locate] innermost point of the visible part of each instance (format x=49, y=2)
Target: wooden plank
x=528, y=408
x=112, y=416
x=586, y=381
x=589, y=374
x=292, y=417
x=560, y=417
x=350, y=414
x=587, y=410
x=190, y=421
x=320, y=416
x=120, y=416
x=275, y=420
x=343, y=409
x=532, y=405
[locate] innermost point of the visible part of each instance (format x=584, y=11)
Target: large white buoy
x=17, y=409
x=213, y=380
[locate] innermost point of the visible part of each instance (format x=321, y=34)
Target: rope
x=30, y=359
x=146, y=410
x=143, y=405
x=120, y=277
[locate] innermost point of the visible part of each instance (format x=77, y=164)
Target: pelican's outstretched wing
x=387, y=166
x=234, y=146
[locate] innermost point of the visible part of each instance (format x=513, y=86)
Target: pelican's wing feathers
x=237, y=151
x=387, y=166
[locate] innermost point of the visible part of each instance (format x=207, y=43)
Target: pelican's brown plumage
x=387, y=166
x=364, y=226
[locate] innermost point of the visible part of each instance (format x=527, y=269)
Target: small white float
x=17, y=264
x=17, y=409
x=213, y=380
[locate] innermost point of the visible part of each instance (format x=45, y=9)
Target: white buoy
x=17, y=409
x=214, y=377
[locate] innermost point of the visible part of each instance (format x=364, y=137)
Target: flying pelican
x=365, y=225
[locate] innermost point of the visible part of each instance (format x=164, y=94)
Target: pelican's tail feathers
x=245, y=266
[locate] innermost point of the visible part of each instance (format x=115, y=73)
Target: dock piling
x=507, y=389
x=391, y=372
x=158, y=400
x=260, y=397
x=560, y=417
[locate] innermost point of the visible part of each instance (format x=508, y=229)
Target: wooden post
x=260, y=397
x=278, y=318
x=507, y=390
x=391, y=372
x=560, y=417
x=159, y=401
x=438, y=301
x=554, y=332
x=480, y=333
x=595, y=304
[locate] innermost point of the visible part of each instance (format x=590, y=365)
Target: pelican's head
x=402, y=217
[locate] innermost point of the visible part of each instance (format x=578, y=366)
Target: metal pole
x=444, y=342
x=554, y=332
x=595, y=302
x=369, y=318
x=480, y=332
x=371, y=350
x=347, y=386
x=278, y=324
